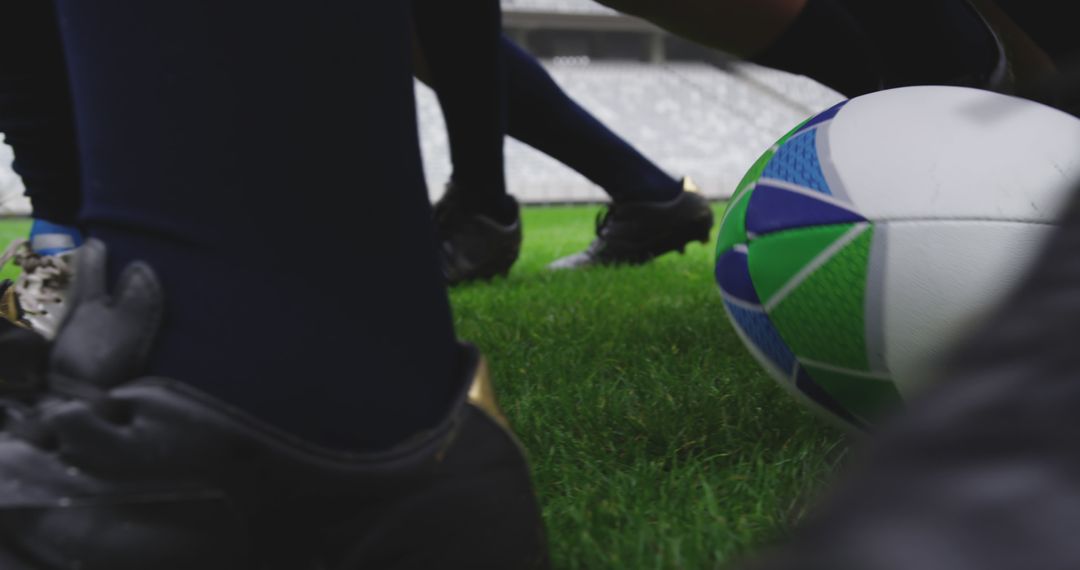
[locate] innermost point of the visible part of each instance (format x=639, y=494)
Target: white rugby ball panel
x=939, y=279
x=951, y=153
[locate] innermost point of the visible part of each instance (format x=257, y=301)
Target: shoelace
x=43, y=279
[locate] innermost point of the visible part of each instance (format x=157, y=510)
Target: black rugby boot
x=473, y=246
x=637, y=232
x=23, y=353
x=102, y=469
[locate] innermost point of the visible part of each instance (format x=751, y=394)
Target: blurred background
x=694, y=111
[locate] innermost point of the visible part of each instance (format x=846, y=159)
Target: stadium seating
x=556, y=6
x=11, y=188
x=691, y=118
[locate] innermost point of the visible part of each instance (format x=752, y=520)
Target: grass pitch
x=12, y=229
x=656, y=441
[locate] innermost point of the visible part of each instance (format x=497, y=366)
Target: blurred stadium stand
x=695, y=112
x=555, y=7
x=12, y=202
x=691, y=118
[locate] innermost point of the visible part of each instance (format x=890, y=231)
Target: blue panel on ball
x=759, y=329
x=826, y=115
x=773, y=209
x=796, y=161
x=815, y=392
x=733, y=277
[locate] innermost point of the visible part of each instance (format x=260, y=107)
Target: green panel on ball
x=863, y=396
x=822, y=317
x=754, y=174
x=733, y=227
x=733, y=224
x=751, y=177
x=776, y=259
x=787, y=136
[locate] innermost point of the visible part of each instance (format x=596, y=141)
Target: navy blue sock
x=273, y=181
x=460, y=41
x=35, y=110
x=540, y=114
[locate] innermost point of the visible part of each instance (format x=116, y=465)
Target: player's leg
x=35, y=110
x=35, y=118
x=465, y=69
x=980, y=473
x=477, y=221
x=542, y=115
x=955, y=46
x=214, y=213
x=314, y=418
x=652, y=214
x=1046, y=22
x=853, y=46
x=816, y=38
